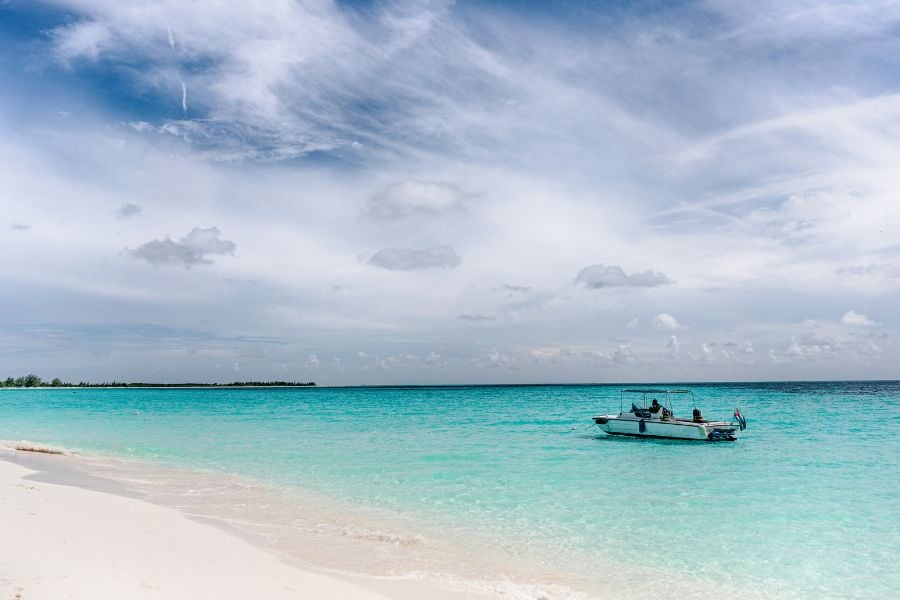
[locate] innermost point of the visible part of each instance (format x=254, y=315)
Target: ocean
x=509, y=489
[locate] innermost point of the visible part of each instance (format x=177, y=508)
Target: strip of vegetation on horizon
x=33, y=381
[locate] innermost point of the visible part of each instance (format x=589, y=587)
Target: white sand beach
x=61, y=541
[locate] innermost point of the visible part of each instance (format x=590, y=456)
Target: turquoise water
x=805, y=505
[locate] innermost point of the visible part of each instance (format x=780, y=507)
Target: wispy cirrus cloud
x=766, y=169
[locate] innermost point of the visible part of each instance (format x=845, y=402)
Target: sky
x=433, y=192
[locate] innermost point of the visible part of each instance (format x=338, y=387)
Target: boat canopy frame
x=659, y=394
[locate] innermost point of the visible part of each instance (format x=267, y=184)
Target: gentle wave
x=27, y=446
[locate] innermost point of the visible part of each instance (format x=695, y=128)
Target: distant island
x=33, y=381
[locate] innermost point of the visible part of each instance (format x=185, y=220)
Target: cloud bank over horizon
x=439, y=192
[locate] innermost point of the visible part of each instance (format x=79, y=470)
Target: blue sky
x=439, y=192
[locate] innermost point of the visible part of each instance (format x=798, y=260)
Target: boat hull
x=678, y=430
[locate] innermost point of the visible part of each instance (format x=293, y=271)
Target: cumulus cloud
x=192, y=249
x=128, y=210
x=851, y=318
x=603, y=276
x=413, y=197
x=667, y=321
x=406, y=259
x=500, y=360
x=727, y=353
x=623, y=353
x=811, y=346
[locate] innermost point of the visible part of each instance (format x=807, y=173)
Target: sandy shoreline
x=68, y=535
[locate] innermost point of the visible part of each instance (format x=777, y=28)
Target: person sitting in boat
x=658, y=411
x=698, y=417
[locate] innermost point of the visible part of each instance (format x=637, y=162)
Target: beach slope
x=62, y=542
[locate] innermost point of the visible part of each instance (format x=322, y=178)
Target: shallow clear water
x=805, y=505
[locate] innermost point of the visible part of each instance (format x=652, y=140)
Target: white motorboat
x=650, y=414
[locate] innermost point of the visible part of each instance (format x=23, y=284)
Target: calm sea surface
x=491, y=487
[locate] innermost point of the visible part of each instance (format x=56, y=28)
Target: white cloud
x=673, y=345
x=667, y=321
x=142, y=126
x=603, y=276
x=406, y=259
x=413, y=197
x=184, y=105
x=633, y=324
x=812, y=347
x=624, y=353
x=851, y=318
x=192, y=249
x=85, y=39
x=499, y=359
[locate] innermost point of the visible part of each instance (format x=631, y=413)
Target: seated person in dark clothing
x=698, y=418
x=656, y=407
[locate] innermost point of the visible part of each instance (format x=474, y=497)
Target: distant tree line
x=33, y=381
